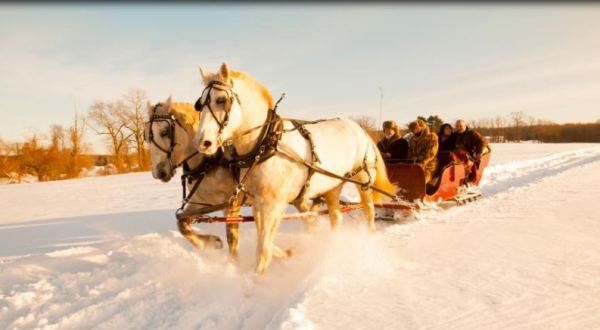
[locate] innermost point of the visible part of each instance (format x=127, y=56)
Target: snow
x=104, y=252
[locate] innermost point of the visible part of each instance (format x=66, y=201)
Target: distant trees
x=519, y=126
x=39, y=161
x=108, y=122
x=76, y=145
x=58, y=158
x=368, y=123
x=9, y=164
x=61, y=153
x=122, y=122
x=134, y=118
x=434, y=122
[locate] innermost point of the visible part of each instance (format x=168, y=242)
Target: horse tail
x=382, y=180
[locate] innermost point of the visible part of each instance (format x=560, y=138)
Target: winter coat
x=423, y=150
x=448, y=144
x=471, y=142
x=385, y=143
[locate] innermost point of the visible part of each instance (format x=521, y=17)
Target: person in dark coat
x=446, y=138
x=469, y=146
x=391, y=133
x=446, y=141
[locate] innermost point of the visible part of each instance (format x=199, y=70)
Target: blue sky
x=456, y=60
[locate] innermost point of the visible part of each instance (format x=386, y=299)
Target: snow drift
x=104, y=252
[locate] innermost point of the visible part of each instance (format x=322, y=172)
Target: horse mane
x=186, y=114
x=264, y=92
x=240, y=75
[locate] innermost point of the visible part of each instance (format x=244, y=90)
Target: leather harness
x=268, y=145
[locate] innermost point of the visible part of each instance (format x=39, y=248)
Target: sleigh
x=413, y=193
x=448, y=187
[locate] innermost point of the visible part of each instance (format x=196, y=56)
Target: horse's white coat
x=217, y=186
x=342, y=146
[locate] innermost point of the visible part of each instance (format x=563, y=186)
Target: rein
x=198, y=174
x=267, y=146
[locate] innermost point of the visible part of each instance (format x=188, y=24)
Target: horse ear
x=149, y=107
x=203, y=74
x=224, y=72
x=168, y=103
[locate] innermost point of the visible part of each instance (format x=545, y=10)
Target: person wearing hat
x=423, y=147
x=469, y=146
x=391, y=133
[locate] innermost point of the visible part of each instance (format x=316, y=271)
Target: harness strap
x=287, y=152
x=298, y=125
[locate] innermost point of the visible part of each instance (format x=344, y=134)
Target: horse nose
x=206, y=144
x=162, y=174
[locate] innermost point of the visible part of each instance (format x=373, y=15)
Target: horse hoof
x=216, y=242
x=234, y=259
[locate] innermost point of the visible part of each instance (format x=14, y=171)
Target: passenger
x=391, y=133
x=399, y=149
x=423, y=147
x=447, y=138
x=469, y=146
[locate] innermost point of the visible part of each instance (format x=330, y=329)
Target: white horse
x=169, y=132
x=234, y=110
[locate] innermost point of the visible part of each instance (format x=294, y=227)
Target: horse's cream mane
x=186, y=114
x=240, y=75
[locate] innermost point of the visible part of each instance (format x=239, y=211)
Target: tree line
x=516, y=126
x=62, y=152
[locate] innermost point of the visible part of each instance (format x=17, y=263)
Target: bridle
x=231, y=96
x=171, y=121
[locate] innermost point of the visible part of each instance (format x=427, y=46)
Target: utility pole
x=380, y=104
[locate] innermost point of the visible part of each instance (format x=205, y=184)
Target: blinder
x=206, y=93
x=170, y=133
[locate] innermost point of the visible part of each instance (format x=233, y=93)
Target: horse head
x=169, y=132
x=230, y=103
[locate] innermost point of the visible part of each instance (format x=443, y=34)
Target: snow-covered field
x=104, y=252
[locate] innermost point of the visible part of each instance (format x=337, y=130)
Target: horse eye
x=221, y=100
x=164, y=132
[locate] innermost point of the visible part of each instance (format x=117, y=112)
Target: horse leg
x=366, y=199
x=332, y=199
x=233, y=232
x=267, y=216
x=310, y=225
x=198, y=240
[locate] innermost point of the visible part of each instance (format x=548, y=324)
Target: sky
x=455, y=60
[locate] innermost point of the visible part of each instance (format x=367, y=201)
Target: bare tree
x=76, y=147
x=6, y=160
x=368, y=123
x=499, y=122
x=518, y=118
x=133, y=116
x=56, y=153
x=35, y=159
x=108, y=120
x=57, y=137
